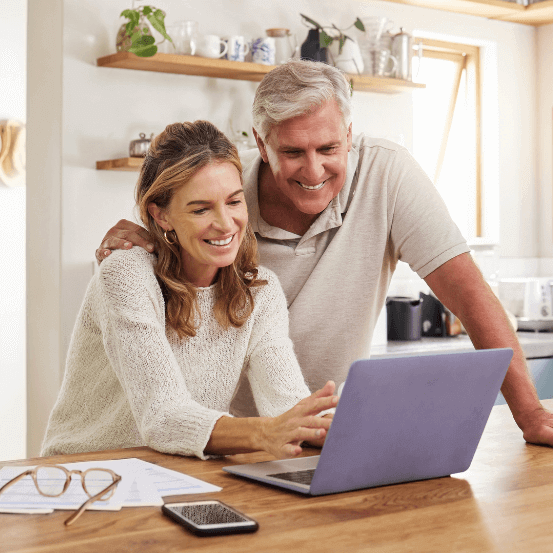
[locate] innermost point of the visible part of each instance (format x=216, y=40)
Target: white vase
x=349, y=59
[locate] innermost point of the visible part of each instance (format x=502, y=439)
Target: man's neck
x=277, y=210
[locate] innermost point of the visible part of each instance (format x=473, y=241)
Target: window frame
x=468, y=59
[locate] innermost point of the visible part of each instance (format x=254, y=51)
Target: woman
x=160, y=343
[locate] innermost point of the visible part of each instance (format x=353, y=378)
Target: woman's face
x=209, y=216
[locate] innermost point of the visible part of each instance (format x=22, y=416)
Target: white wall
x=545, y=138
x=13, y=31
x=103, y=109
x=44, y=210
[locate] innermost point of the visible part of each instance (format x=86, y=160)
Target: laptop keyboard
x=298, y=476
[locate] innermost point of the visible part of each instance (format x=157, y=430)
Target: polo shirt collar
x=330, y=218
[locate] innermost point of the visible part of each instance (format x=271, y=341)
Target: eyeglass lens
x=50, y=480
x=97, y=480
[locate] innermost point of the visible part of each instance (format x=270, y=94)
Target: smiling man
x=333, y=213
x=305, y=165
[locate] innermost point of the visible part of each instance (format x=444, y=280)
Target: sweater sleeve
x=132, y=319
x=273, y=370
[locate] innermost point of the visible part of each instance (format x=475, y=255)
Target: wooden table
x=503, y=503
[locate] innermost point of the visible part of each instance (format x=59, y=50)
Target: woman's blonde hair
x=174, y=157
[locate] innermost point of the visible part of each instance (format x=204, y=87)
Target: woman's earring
x=171, y=243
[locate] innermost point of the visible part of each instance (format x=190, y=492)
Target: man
x=333, y=214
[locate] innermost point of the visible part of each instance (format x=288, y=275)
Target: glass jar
x=123, y=40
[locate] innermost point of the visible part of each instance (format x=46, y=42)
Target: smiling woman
x=208, y=215
x=161, y=343
x=191, y=199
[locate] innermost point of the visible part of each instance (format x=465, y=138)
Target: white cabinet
x=542, y=374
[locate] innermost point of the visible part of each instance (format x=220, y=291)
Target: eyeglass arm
x=90, y=500
x=14, y=480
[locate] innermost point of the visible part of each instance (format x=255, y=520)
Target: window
x=446, y=128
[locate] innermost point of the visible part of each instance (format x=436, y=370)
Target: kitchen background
x=77, y=113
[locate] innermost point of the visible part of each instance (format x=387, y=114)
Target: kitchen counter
x=536, y=345
x=501, y=504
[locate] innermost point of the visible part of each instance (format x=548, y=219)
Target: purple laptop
x=399, y=419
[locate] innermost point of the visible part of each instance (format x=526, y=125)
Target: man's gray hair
x=296, y=87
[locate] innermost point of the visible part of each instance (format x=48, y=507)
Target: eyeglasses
x=53, y=481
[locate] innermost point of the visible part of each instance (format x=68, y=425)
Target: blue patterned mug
x=237, y=48
x=263, y=50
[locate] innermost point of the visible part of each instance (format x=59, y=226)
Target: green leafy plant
x=325, y=39
x=142, y=43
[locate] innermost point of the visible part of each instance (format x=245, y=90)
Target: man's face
x=308, y=158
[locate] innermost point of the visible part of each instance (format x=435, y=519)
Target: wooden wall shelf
x=222, y=69
x=537, y=14
x=121, y=164
x=225, y=69
x=187, y=65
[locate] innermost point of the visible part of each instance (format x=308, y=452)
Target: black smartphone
x=209, y=517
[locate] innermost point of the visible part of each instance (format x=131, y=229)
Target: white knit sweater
x=130, y=381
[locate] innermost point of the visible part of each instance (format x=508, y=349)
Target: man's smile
x=316, y=187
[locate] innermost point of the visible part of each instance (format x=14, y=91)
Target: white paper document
x=142, y=484
x=171, y=482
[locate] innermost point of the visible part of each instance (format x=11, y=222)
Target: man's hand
x=537, y=427
x=123, y=236
x=459, y=285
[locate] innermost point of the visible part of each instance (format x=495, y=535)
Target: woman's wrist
x=260, y=434
x=236, y=435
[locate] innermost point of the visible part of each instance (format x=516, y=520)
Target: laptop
x=399, y=419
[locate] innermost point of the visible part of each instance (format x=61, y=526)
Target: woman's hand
x=123, y=236
x=281, y=436
x=320, y=441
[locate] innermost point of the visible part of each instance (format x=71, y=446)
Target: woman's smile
x=219, y=241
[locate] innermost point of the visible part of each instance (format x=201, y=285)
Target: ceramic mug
x=286, y=44
x=263, y=50
x=209, y=46
x=349, y=59
x=237, y=48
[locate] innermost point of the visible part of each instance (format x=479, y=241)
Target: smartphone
x=209, y=517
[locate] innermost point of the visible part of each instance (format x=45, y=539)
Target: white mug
x=237, y=48
x=263, y=50
x=286, y=44
x=209, y=46
x=349, y=59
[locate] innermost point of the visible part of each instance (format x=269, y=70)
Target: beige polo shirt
x=336, y=276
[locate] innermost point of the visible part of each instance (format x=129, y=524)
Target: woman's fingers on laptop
x=124, y=235
x=322, y=396
x=327, y=390
x=291, y=446
x=290, y=450
x=320, y=400
x=284, y=434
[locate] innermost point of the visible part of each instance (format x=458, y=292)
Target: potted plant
x=344, y=50
x=135, y=36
